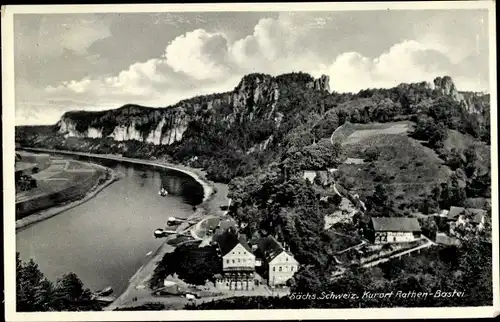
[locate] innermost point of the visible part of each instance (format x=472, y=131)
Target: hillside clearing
x=350, y=133
x=407, y=168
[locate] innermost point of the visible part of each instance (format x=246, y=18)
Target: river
x=106, y=239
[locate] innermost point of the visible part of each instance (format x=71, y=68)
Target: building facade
x=282, y=268
x=394, y=230
x=238, y=263
x=279, y=264
x=238, y=257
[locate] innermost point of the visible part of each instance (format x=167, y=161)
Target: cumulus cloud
x=201, y=62
x=408, y=61
x=139, y=80
x=199, y=54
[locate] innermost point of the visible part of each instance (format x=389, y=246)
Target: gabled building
x=458, y=216
x=279, y=265
x=393, y=230
x=238, y=262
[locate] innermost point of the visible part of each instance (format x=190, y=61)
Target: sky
x=100, y=61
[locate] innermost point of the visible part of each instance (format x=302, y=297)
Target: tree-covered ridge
x=34, y=293
x=233, y=134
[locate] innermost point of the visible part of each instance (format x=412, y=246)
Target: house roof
x=270, y=247
x=395, y=224
x=477, y=214
x=455, y=212
x=229, y=239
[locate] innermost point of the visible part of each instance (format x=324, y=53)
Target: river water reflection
x=106, y=239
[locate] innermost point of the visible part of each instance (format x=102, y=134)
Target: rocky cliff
x=233, y=133
x=255, y=96
x=130, y=122
x=473, y=102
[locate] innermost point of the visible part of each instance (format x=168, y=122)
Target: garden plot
x=359, y=135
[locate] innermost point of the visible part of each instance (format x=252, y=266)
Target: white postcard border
x=8, y=118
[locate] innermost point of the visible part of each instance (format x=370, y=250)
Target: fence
x=71, y=193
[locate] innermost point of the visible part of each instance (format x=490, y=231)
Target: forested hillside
x=261, y=136
x=232, y=134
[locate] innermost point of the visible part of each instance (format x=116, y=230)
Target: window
x=274, y=269
x=287, y=259
x=238, y=260
x=227, y=261
x=292, y=268
x=233, y=261
x=280, y=268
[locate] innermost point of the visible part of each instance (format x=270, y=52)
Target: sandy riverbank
x=57, y=209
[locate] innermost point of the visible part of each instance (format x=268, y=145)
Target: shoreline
x=144, y=273
x=60, y=208
x=208, y=187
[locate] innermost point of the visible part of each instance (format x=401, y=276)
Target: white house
x=394, y=230
x=238, y=262
x=280, y=265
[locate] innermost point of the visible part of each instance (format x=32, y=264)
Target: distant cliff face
x=471, y=101
x=256, y=96
x=127, y=123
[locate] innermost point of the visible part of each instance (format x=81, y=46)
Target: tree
x=428, y=129
x=371, y=154
x=471, y=158
x=34, y=293
x=454, y=159
x=429, y=227
x=379, y=202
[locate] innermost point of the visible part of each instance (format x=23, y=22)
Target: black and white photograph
x=250, y=161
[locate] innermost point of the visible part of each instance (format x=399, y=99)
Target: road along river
x=106, y=239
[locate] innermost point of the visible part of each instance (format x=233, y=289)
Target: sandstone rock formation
x=446, y=87
x=256, y=96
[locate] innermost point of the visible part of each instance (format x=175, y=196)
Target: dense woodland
x=269, y=195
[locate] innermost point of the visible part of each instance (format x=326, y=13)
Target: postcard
x=250, y=161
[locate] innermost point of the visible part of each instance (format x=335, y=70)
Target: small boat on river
x=159, y=233
x=173, y=221
x=163, y=192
